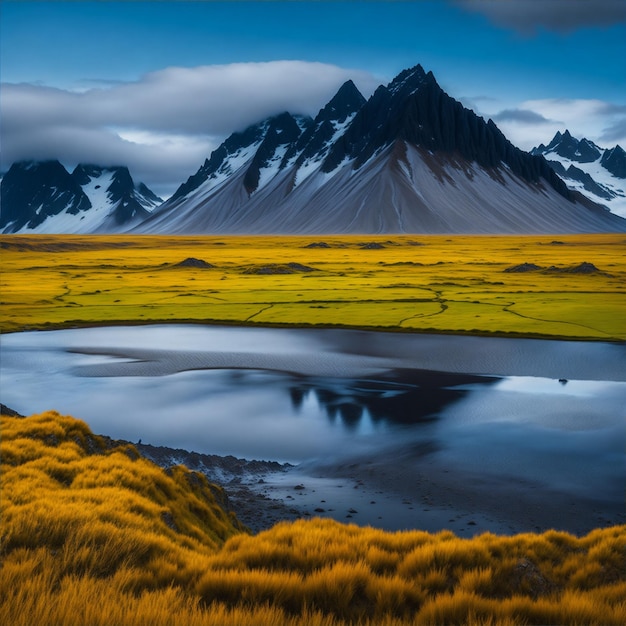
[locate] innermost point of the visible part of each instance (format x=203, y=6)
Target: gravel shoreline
x=394, y=490
x=409, y=490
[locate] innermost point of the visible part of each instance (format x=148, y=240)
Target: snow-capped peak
x=597, y=172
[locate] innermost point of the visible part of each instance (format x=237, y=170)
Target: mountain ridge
x=42, y=196
x=586, y=167
x=408, y=159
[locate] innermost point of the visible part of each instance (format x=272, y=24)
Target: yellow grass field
x=452, y=284
x=94, y=534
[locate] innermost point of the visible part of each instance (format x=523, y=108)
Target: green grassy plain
x=452, y=284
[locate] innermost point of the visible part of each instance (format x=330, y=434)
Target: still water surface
x=480, y=404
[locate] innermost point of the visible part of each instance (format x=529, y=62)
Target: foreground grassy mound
x=570, y=287
x=94, y=534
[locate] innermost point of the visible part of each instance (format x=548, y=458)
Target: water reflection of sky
x=532, y=427
x=562, y=387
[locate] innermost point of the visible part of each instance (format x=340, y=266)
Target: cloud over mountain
x=165, y=122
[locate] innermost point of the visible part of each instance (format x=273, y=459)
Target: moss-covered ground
x=455, y=284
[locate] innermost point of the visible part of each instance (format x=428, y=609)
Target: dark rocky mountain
x=282, y=131
x=148, y=197
x=614, y=161
x=315, y=142
x=409, y=159
x=600, y=173
x=582, y=151
x=113, y=189
x=257, y=147
x=44, y=197
x=32, y=192
x=573, y=173
x=413, y=108
x=274, y=144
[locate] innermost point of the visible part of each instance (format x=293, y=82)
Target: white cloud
x=164, y=125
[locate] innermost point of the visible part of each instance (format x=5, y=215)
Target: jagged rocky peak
x=122, y=183
x=409, y=108
x=284, y=127
x=32, y=191
x=84, y=173
x=587, y=167
x=614, y=160
x=258, y=141
x=151, y=198
x=413, y=108
x=407, y=81
x=314, y=143
x=118, y=182
x=282, y=131
x=347, y=101
x=373, y=124
x=566, y=146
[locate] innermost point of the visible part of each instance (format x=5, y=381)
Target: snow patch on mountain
x=272, y=167
x=312, y=164
x=237, y=161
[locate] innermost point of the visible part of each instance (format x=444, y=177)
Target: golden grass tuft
x=94, y=534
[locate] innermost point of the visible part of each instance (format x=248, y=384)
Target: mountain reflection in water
x=399, y=397
x=298, y=395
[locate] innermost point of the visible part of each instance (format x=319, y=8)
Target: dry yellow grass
x=94, y=534
x=443, y=284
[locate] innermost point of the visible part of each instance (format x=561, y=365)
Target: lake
x=502, y=411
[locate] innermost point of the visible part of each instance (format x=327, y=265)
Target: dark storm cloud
x=164, y=125
x=536, y=121
x=558, y=15
x=523, y=116
x=615, y=133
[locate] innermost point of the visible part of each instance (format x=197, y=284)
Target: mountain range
x=409, y=159
x=599, y=173
x=43, y=197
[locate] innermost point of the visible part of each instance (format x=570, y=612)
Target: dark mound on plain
x=414, y=263
x=318, y=244
x=192, y=262
x=372, y=245
x=522, y=267
x=278, y=268
x=582, y=268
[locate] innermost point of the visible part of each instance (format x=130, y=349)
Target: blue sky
x=158, y=85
